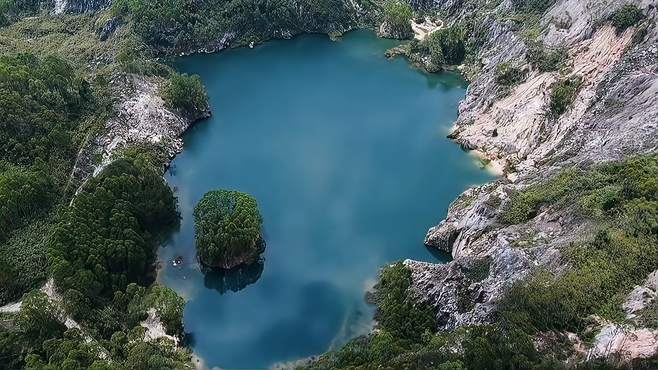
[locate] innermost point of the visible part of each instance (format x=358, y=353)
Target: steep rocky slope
x=613, y=116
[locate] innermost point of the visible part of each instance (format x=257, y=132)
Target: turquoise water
x=347, y=156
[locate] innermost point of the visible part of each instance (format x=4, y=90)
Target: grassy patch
x=563, y=94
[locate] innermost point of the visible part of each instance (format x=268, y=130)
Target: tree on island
x=228, y=229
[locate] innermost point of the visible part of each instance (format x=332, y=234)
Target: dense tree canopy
x=23, y=194
x=40, y=103
x=228, y=229
x=447, y=46
x=106, y=239
x=185, y=24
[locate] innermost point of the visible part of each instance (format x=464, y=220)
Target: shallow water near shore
x=346, y=153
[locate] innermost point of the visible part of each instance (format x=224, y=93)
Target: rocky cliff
x=614, y=115
x=80, y=6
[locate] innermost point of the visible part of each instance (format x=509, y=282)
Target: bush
x=189, y=25
x=627, y=16
x=606, y=267
x=397, y=312
x=398, y=15
x=563, y=94
x=447, y=46
x=228, y=229
x=187, y=94
x=12, y=10
x=543, y=59
x=537, y=7
x=509, y=75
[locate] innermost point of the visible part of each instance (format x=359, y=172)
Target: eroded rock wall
x=614, y=116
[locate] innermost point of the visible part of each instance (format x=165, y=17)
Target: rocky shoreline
x=614, y=116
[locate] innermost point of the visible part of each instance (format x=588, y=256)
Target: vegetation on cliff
x=621, y=199
x=397, y=17
x=101, y=254
x=228, y=229
x=186, y=94
x=108, y=237
x=627, y=16
x=185, y=25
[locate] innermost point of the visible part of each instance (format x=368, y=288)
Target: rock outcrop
x=80, y=6
x=614, y=116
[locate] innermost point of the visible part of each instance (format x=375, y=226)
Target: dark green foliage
x=543, y=59
x=39, y=319
x=23, y=261
x=40, y=103
x=188, y=24
x=12, y=10
x=187, y=94
x=228, y=229
x=24, y=194
x=399, y=314
x=606, y=267
x=447, y=46
x=509, y=75
x=107, y=239
x=627, y=16
x=398, y=15
x=563, y=94
x=169, y=307
x=538, y=7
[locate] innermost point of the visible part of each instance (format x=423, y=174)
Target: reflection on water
x=346, y=153
x=234, y=280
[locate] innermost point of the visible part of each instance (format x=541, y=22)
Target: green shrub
x=186, y=25
x=543, y=59
x=623, y=198
x=187, y=94
x=563, y=94
x=538, y=7
x=627, y=16
x=228, y=229
x=509, y=75
x=397, y=312
x=398, y=15
x=447, y=46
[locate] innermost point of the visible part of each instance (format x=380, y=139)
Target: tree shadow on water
x=232, y=280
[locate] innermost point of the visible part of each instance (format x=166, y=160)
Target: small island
x=228, y=229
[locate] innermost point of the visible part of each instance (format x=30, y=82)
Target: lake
x=346, y=153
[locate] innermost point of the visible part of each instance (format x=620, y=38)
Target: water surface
x=346, y=153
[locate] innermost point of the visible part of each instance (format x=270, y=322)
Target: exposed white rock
x=624, y=343
x=154, y=327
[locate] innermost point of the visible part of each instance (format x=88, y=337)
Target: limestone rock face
x=80, y=6
x=614, y=116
